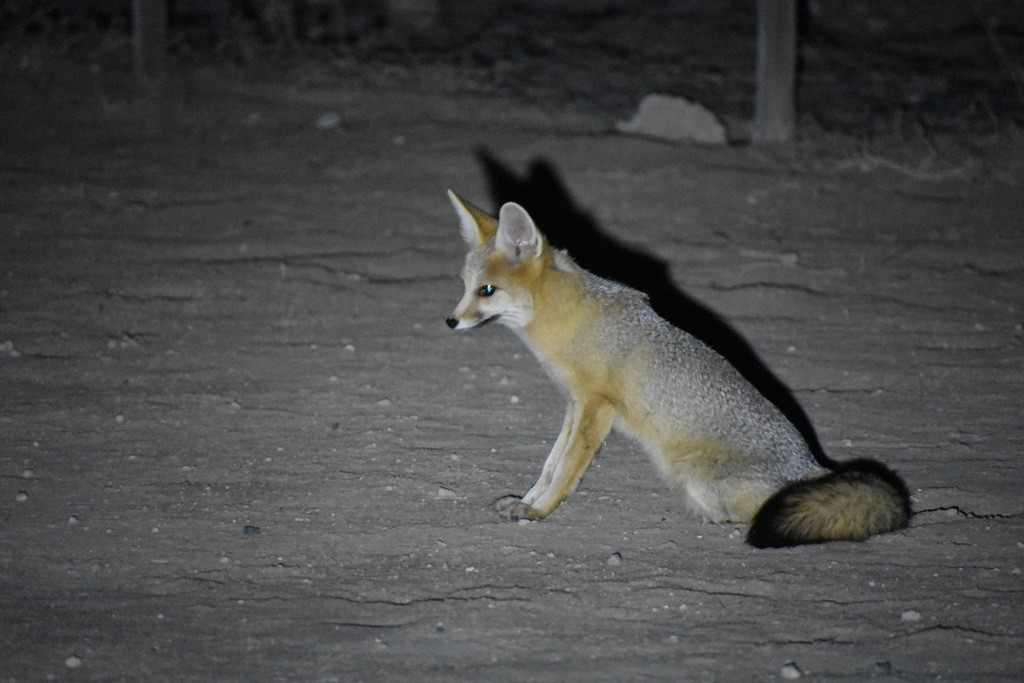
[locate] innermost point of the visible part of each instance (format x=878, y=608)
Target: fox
x=712, y=435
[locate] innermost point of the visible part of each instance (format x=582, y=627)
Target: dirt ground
x=237, y=441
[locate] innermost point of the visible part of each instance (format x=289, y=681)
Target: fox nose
x=451, y=322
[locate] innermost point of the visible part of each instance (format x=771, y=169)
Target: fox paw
x=513, y=508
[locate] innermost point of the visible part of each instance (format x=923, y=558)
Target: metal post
x=149, y=40
x=775, y=104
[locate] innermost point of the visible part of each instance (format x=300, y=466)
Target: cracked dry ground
x=217, y=317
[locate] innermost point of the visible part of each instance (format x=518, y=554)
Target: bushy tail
x=858, y=499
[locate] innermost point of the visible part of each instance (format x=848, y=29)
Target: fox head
x=506, y=257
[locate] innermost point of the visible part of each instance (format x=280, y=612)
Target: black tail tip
x=814, y=511
x=763, y=533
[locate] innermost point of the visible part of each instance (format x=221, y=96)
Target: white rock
x=674, y=118
x=791, y=671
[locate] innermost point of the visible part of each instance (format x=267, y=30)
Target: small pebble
x=328, y=120
x=250, y=530
x=73, y=662
x=445, y=493
x=27, y=473
x=614, y=560
x=911, y=615
x=21, y=497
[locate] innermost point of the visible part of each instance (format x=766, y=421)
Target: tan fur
x=712, y=435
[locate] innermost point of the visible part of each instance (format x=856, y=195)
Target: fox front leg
x=585, y=427
x=518, y=507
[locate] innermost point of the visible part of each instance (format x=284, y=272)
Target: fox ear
x=474, y=223
x=518, y=236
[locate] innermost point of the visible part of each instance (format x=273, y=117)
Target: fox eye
x=486, y=290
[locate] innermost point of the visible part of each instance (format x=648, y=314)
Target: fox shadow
x=567, y=227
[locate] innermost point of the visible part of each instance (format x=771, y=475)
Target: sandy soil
x=237, y=441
